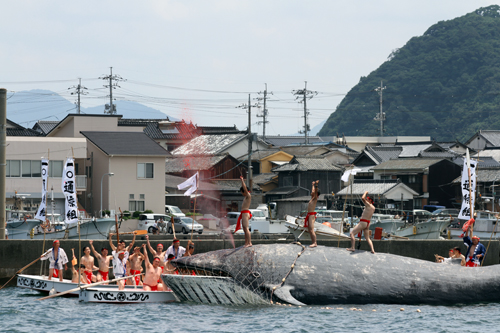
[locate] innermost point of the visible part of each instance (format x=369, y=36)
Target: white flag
x=42, y=209
x=69, y=190
x=347, y=173
x=467, y=201
x=193, y=182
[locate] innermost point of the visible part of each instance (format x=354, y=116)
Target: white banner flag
x=467, y=201
x=42, y=209
x=347, y=173
x=69, y=190
x=193, y=182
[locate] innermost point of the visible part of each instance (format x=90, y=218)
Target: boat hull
x=108, y=295
x=431, y=229
x=21, y=229
x=43, y=284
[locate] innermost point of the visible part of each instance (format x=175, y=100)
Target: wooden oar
x=116, y=227
x=137, y=232
x=74, y=262
x=22, y=269
x=86, y=286
x=173, y=226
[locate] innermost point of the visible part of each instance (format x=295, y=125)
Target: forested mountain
x=445, y=84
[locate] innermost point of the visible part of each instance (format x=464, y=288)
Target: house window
x=26, y=168
x=142, y=196
x=131, y=196
x=88, y=171
x=412, y=179
x=36, y=169
x=145, y=170
x=385, y=177
x=287, y=181
x=55, y=169
x=134, y=206
x=15, y=169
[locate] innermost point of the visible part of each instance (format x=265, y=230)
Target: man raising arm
x=246, y=215
x=364, y=222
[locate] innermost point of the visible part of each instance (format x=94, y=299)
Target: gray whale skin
x=328, y=275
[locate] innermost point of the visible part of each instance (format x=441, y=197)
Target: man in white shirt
x=175, y=249
x=120, y=267
x=57, y=258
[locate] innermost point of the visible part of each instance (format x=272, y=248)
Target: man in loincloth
x=169, y=268
x=175, y=249
x=136, y=260
x=121, y=244
x=120, y=267
x=245, y=215
x=103, y=260
x=153, y=273
x=81, y=271
x=158, y=253
x=190, y=249
x=475, y=250
x=364, y=222
x=88, y=261
x=57, y=258
x=311, y=214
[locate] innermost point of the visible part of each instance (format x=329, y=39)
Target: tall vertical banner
x=69, y=191
x=467, y=201
x=42, y=209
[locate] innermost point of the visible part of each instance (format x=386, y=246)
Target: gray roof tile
x=373, y=188
x=189, y=162
x=307, y=163
x=125, y=143
x=208, y=144
x=407, y=163
x=492, y=136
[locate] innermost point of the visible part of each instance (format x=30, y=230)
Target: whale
x=300, y=275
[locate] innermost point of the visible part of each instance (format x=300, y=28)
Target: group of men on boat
x=124, y=262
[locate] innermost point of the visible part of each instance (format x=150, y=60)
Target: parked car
x=184, y=225
x=230, y=219
x=147, y=221
x=174, y=210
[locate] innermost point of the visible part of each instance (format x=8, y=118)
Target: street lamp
x=108, y=174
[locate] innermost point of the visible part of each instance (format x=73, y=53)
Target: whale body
x=328, y=275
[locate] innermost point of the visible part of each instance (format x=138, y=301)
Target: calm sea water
x=21, y=312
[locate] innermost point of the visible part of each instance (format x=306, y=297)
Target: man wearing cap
x=153, y=273
x=175, y=249
x=57, y=258
x=364, y=222
x=103, y=259
x=475, y=250
x=159, y=251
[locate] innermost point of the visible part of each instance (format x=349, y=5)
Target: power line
x=111, y=108
x=306, y=94
x=79, y=90
x=264, y=112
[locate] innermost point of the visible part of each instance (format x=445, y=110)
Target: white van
x=147, y=221
x=174, y=210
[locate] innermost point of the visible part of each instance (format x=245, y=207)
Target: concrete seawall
x=15, y=254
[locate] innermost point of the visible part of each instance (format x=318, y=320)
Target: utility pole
x=264, y=112
x=381, y=115
x=79, y=90
x=3, y=163
x=111, y=108
x=250, y=137
x=302, y=96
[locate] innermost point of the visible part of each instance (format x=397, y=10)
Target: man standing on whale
x=311, y=214
x=364, y=222
x=245, y=215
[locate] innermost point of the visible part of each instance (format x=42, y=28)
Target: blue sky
x=198, y=60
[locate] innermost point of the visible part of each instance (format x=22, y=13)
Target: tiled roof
x=189, y=162
x=45, y=126
x=484, y=162
x=299, y=150
x=125, y=143
x=439, y=154
x=263, y=178
x=219, y=130
x=22, y=132
x=492, y=136
x=384, y=153
x=308, y=163
x=233, y=183
x=208, y=144
x=494, y=153
x=484, y=176
x=257, y=155
x=138, y=122
x=413, y=150
x=373, y=188
x=407, y=164
x=286, y=190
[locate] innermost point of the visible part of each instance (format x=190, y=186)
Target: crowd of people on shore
x=124, y=263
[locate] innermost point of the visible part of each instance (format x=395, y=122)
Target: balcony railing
x=81, y=182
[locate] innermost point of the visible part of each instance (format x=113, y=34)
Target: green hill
x=445, y=84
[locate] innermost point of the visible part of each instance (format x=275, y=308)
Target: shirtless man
x=364, y=222
x=158, y=253
x=103, y=259
x=311, y=214
x=245, y=215
x=135, y=264
x=153, y=273
x=190, y=249
x=88, y=261
x=169, y=268
x=121, y=244
x=83, y=277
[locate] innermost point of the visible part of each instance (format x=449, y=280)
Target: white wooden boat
x=484, y=227
x=43, y=284
x=89, y=229
x=296, y=227
x=101, y=294
x=387, y=222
